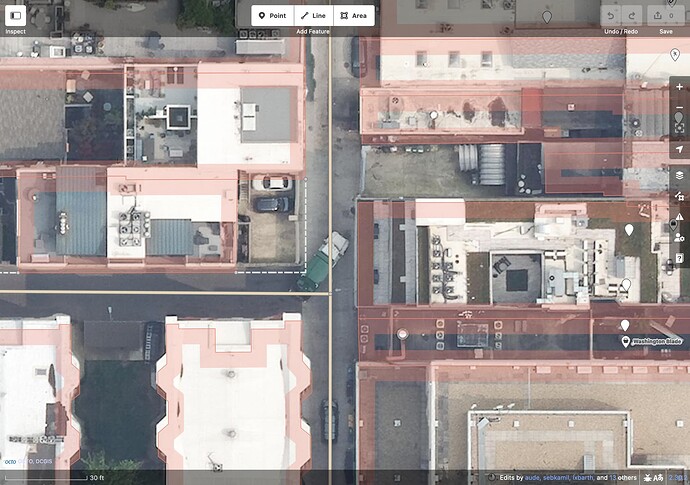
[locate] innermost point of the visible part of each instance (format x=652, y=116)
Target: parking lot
x=430, y=174
x=273, y=236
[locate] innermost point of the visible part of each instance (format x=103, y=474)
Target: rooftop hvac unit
x=125, y=230
x=136, y=242
x=123, y=215
x=492, y=164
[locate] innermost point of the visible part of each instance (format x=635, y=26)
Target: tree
x=195, y=13
x=124, y=472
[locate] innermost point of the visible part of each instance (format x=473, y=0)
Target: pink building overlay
x=233, y=391
x=39, y=379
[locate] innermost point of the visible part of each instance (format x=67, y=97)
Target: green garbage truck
x=317, y=267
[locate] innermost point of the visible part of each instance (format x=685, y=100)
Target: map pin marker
x=262, y=15
x=629, y=228
x=546, y=16
x=625, y=324
x=626, y=284
x=671, y=3
x=625, y=340
x=675, y=54
x=673, y=223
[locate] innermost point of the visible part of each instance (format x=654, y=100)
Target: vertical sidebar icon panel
x=679, y=218
x=679, y=110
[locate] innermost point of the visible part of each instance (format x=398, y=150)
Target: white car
x=272, y=182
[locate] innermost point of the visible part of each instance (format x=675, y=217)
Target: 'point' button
x=272, y=15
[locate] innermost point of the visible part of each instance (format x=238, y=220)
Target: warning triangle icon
x=680, y=217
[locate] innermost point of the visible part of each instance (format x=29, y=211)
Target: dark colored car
x=350, y=386
x=324, y=420
x=272, y=204
x=358, y=57
x=349, y=467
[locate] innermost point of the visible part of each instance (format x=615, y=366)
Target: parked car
x=272, y=182
x=272, y=204
x=350, y=385
x=324, y=420
x=358, y=57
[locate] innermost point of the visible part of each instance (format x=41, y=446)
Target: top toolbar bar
x=313, y=15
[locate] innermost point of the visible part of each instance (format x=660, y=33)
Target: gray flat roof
x=32, y=121
x=80, y=193
x=170, y=237
x=275, y=110
x=401, y=426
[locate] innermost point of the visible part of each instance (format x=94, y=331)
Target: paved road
x=145, y=307
x=346, y=165
x=149, y=282
x=346, y=175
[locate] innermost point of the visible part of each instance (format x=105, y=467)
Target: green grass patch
x=684, y=285
x=423, y=265
x=309, y=63
x=478, y=278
